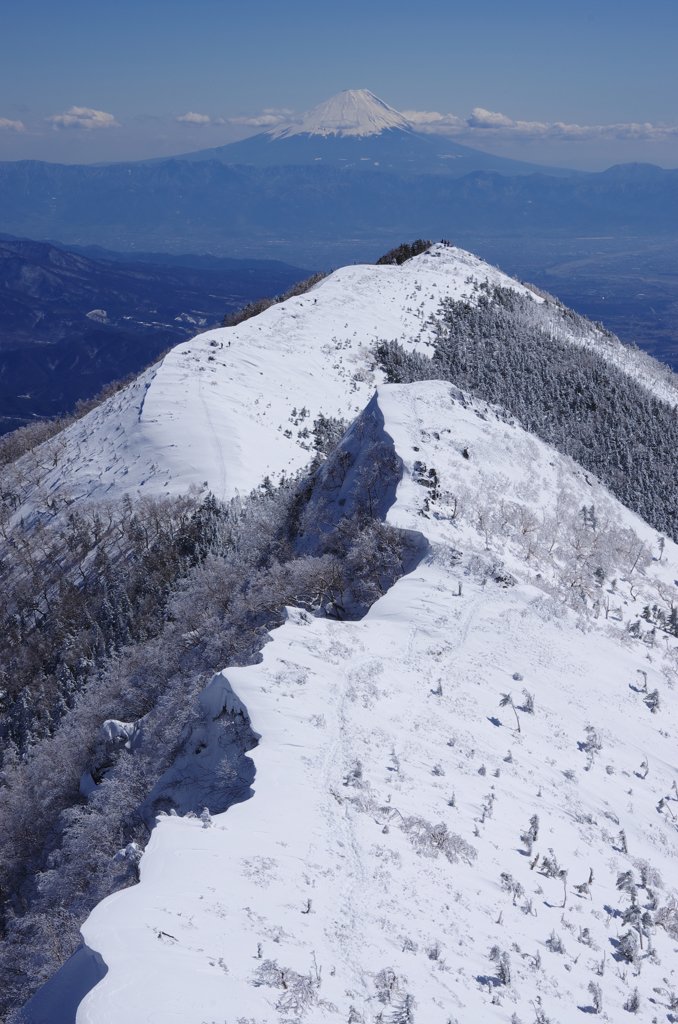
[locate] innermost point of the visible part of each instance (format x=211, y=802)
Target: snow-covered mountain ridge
x=221, y=408
x=380, y=858
x=235, y=404
x=525, y=666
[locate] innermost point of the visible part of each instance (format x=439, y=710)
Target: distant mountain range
x=316, y=180
x=179, y=205
x=150, y=243
x=70, y=324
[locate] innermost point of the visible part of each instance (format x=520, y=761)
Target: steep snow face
x=380, y=859
x=235, y=404
x=351, y=112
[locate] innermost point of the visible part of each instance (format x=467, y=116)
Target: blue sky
x=88, y=81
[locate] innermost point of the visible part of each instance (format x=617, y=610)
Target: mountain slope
x=379, y=860
x=237, y=404
x=394, y=151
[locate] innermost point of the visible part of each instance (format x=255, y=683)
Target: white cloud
x=425, y=117
x=11, y=126
x=270, y=117
x=488, y=124
x=191, y=118
x=481, y=118
x=83, y=117
x=263, y=121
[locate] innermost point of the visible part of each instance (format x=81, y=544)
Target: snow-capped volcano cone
x=351, y=112
x=356, y=129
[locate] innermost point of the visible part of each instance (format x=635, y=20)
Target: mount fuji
x=357, y=129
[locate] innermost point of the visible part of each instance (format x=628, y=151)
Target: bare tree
x=507, y=701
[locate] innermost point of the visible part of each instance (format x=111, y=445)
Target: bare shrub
x=502, y=962
x=592, y=745
x=650, y=878
x=430, y=840
x=550, y=866
x=667, y=918
x=529, y=836
x=632, y=1004
x=555, y=943
x=509, y=884
x=596, y=996
x=627, y=947
x=300, y=991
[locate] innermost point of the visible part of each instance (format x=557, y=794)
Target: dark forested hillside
x=506, y=349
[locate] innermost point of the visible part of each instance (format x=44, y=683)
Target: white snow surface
x=232, y=405
x=214, y=412
x=351, y=112
x=328, y=895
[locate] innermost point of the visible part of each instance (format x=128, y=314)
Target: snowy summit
x=351, y=112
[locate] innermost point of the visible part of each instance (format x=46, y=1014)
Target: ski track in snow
x=390, y=930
